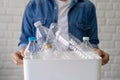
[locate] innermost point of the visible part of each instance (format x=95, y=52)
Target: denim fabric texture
x=82, y=19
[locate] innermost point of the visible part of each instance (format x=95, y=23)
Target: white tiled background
x=108, y=13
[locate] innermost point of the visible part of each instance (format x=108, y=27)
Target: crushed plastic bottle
x=68, y=49
x=51, y=33
x=31, y=51
x=75, y=47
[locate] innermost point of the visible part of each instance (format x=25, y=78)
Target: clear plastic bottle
x=87, y=49
x=47, y=52
x=51, y=33
x=86, y=44
x=41, y=33
x=31, y=51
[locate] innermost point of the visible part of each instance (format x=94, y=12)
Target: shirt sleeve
x=21, y=46
x=95, y=46
x=26, y=30
x=94, y=28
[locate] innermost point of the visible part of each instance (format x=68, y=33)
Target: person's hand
x=17, y=57
x=103, y=55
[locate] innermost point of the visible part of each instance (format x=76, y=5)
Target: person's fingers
x=103, y=55
x=105, y=58
x=22, y=51
x=17, y=58
x=14, y=60
x=17, y=62
x=98, y=51
x=100, y=54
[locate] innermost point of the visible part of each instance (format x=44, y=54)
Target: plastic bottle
x=86, y=43
x=31, y=51
x=47, y=52
x=41, y=33
x=87, y=49
x=51, y=33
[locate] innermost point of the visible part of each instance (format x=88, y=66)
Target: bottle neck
x=86, y=42
x=32, y=41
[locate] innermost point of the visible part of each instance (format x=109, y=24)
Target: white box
x=87, y=69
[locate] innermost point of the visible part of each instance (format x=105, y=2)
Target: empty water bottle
x=47, y=52
x=31, y=51
x=51, y=33
x=87, y=49
x=41, y=33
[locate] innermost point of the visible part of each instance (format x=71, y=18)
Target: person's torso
x=46, y=11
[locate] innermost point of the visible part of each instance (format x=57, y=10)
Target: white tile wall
x=108, y=13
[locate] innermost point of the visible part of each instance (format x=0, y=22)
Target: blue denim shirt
x=81, y=19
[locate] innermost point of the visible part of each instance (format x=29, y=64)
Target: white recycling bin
x=83, y=69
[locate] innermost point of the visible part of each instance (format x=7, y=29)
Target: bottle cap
x=31, y=38
x=47, y=46
x=53, y=25
x=37, y=24
x=85, y=38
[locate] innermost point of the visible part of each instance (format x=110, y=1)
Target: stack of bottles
x=49, y=44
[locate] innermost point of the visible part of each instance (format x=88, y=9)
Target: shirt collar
x=73, y=2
